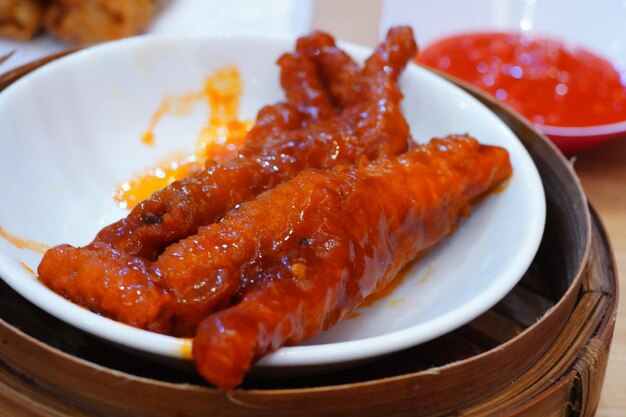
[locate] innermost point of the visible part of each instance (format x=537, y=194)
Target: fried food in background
x=76, y=21
x=20, y=19
x=88, y=21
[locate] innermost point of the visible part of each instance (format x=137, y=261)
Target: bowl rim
x=583, y=132
x=563, y=133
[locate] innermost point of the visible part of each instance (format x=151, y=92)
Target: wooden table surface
x=602, y=173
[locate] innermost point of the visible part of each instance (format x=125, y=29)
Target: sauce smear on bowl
x=548, y=81
x=219, y=139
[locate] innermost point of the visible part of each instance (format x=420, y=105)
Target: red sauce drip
x=549, y=82
x=28, y=269
x=219, y=139
x=22, y=243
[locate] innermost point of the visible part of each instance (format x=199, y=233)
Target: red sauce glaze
x=548, y=81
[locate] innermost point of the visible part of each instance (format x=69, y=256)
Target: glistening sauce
x=22, y=243
x=219, y=139
x=548, y=81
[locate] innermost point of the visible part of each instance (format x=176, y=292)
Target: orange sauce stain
x=137, y=189
x=388, y=289
x=28, y=269
x=396, y=303
x=353, y=316
x=20, y=243
x=186, y=349
x=500, y=187
x=391, y=287
x=219, y=139
x=429, y=271
x=147, y=138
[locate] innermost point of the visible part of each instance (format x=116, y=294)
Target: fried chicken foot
x=128, y=296
x=303, y=87
x=178, y=210
x=272, y=121
x=346, y=82
x=371, y=129
x=380, y=73
x=321, y=244
x=338, y=71
x=380, y=130
x=276, y=151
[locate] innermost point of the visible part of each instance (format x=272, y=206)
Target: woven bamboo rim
x=506, y=362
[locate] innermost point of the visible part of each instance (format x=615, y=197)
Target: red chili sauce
x=549, y=82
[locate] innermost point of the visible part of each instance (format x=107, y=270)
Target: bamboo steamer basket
x=541, y=351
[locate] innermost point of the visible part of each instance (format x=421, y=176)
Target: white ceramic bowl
x=598, y=26
x=70, y=133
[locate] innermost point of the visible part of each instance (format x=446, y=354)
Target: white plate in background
x=191, y=17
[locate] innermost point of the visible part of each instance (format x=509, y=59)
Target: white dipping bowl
x=598, y=26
